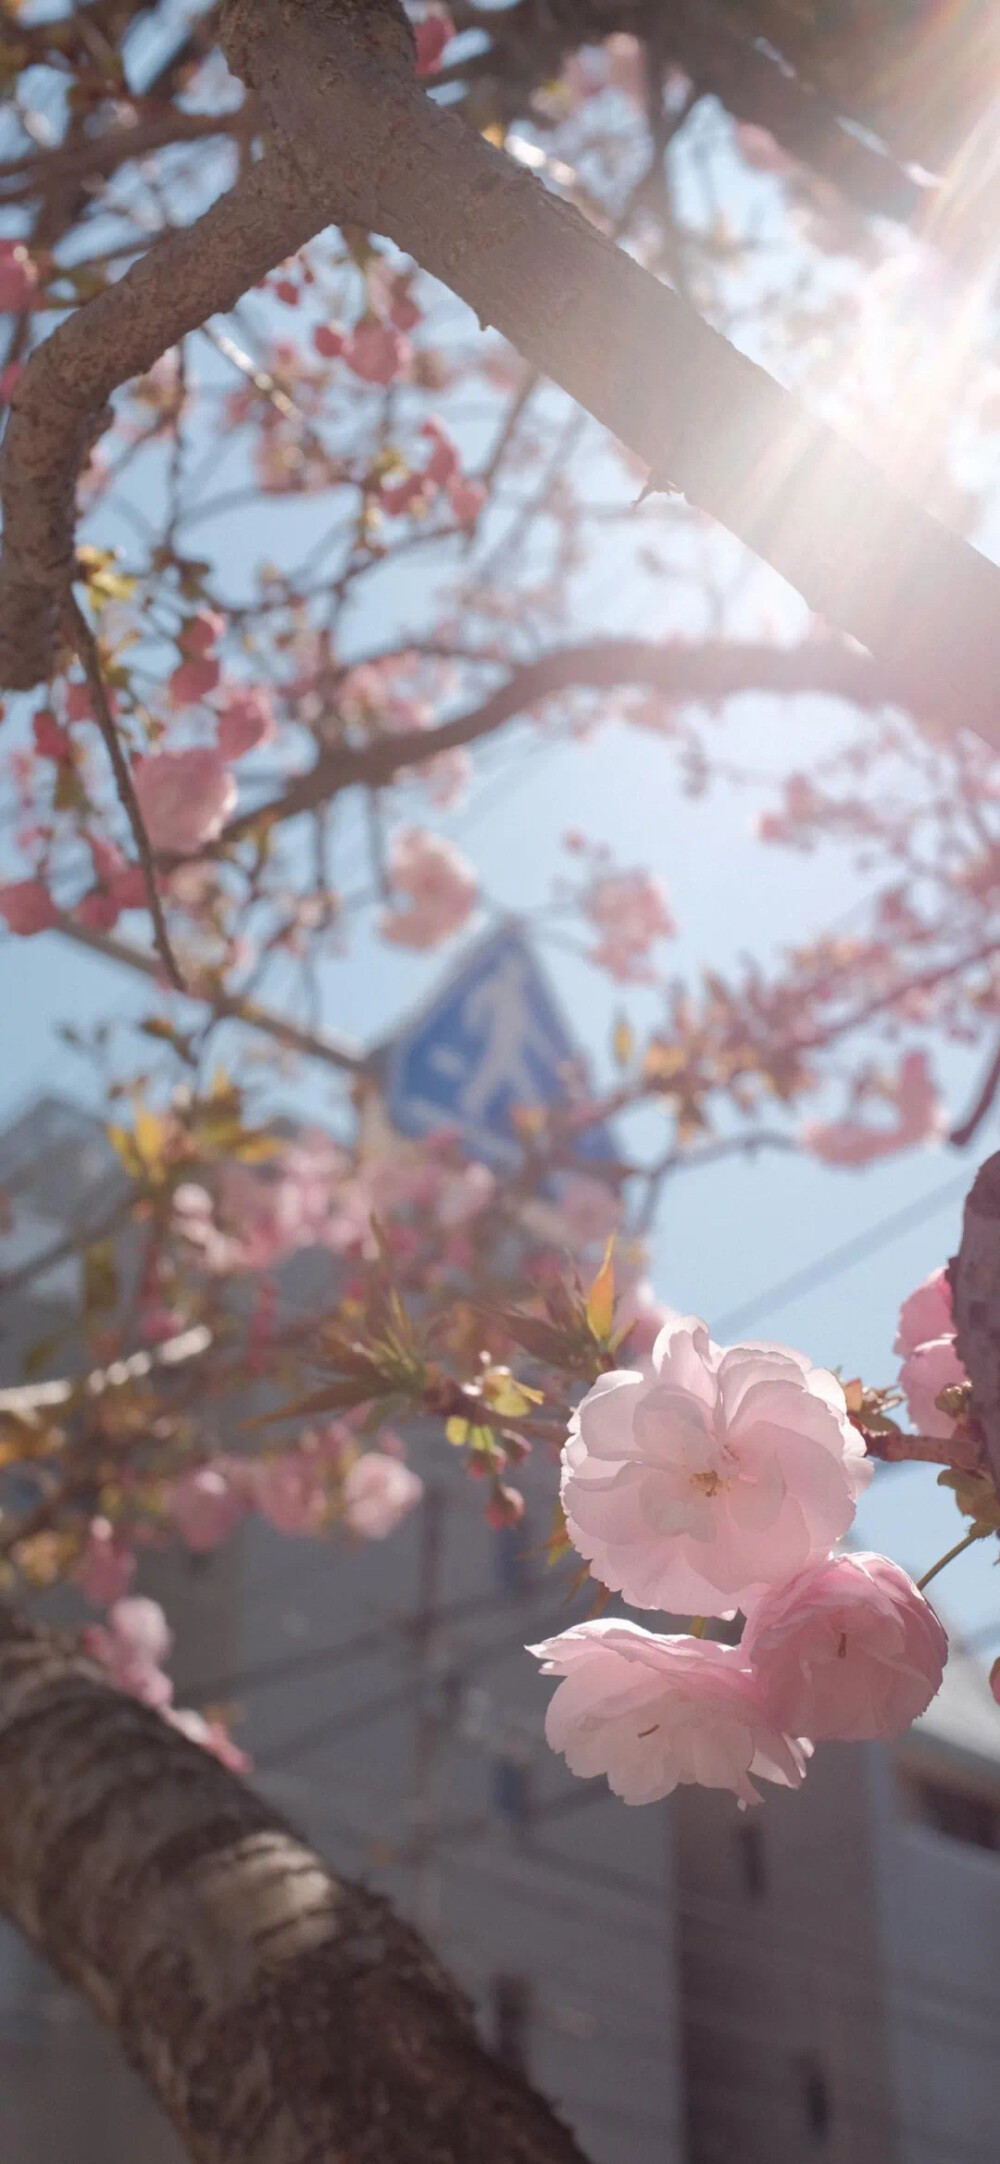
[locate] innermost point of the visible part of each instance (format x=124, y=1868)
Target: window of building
x=512, y=1792
x=512, y=1559
x=751, y=1843
x=817, y=2107
x=959, y=1812
x=510, y=2002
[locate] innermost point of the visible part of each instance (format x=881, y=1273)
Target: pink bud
x=97, y=911
x=404, y=312
x=185, y=797
x=467, y=499
x=201, y=633
x=78, y=706
x=27, y=906
x=106, y=1567
x=18, y=278
x=287, y=292
x=328, y=341
x=246, y=720
x=432, y=35
x=444, y=464
x=376, y=352
x=193, y=680
x=51, y=740
x=995, y=1680
x=107, y=859
x=129, y=887
x=505, y=1506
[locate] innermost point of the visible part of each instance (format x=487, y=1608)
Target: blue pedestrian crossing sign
x=490, y=1041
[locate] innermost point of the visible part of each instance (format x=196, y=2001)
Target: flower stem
x=699, y=1626
x=977, y=1533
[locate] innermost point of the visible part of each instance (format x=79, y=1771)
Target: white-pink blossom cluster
x=853, y=1142
x=713, y=1480
x=925, y=1337
x=629, y=912
x=438, y=886
x=131, y=1647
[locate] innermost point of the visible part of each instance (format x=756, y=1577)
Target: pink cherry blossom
x=467, y=499
x=920, y=1118
x=505, y=1507
x=652, y=1713
x=707, y=1475
x=106, y=1567
x=379, y=1491
x=52, y=741
x=925, y=1372
x=440, y=886
x=128, y=888
x=27, y=907
x=185, y=797
x=461, y=1195
x=192, y=680
x=210, y=1736
x=328, y=341
x=926, y=1314
x=246, y=720
x=848, y=1649
x=202, y=633
x=444, y=463
x=78, y=701
x=18, y=278
x=404, y=311
x=206, y=1506
x=306, y=1197
x=432, y=35
x=131, y=1646
x=629, y=910
x=98, y=910
x=589, y=1210
x=290, y=1492
x=376, y=352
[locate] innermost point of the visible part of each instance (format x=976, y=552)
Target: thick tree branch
x=713, y=670
x=635, y=354
x=280, y=2013
x=705, y=418
x=975, y=1284
x=58, y=409
x=98, y=156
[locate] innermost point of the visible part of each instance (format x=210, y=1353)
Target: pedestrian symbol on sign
x=490, y=1041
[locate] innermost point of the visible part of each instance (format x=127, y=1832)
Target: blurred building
x=817, y=1982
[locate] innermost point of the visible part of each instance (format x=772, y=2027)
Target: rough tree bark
x=975, y=1284
x=368, y=147
x=281, y=2014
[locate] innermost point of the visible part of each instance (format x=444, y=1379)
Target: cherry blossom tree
x=418, y=313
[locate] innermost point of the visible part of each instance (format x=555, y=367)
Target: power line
x=844, y=1257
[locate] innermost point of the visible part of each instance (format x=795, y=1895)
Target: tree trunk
x=280, y=2014
x=975, y=1284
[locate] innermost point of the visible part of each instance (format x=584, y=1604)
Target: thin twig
x=85, y=645
x=978, y=1533
x=961, y=1135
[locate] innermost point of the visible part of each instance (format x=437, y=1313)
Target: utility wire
x=844, y=1257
